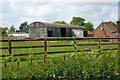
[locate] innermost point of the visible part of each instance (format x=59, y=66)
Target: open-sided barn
x=40, y=29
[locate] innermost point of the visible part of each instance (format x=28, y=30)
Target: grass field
x=88, y=65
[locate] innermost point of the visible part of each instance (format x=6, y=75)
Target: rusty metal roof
x=42, y=24
x=89, y=32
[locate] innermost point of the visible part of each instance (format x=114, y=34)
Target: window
x=101, y=28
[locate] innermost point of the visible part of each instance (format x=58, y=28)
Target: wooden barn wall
x=56, y=32
x=37, y=32
x=68, y=32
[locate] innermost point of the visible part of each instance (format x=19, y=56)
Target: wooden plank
x=59, y=38
x=9, y=47
x=111, y=49
x=45, y=47
x=4, y=55
x=96, y=44
x=59, y=45
x=3, y=40
x=83, y=50
x=109, y=43
x=74, y=44
x=4, y=48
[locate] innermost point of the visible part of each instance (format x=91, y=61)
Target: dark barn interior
x=63, y=32
x=85, y=33
x=50, y=33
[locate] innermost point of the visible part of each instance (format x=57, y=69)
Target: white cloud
x=59, y=1
x=94, y=13
x=46, y=10
x=11, y=4
x=17, y=12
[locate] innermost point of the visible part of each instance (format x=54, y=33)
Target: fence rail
x=56, y=39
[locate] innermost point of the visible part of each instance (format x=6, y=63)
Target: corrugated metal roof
x=56, y=25
x=110, y=26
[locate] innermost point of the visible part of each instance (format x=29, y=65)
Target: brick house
x=105, y=29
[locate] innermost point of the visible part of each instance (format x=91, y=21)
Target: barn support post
x=9, y=46
x=45, y=48
x=118, y=54
x=74, y=44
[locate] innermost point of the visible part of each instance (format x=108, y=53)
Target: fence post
x=45, y=48
x=99, y=45
x=88, y=40
x=9, y=46
x=118, y=54
x=74, y=44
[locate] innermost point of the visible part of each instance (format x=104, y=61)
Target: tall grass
x=73, y=66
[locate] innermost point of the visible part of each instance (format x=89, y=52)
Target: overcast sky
x=14, y=13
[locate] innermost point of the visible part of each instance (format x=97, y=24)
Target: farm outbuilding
x=40, y=29
x=105, y=29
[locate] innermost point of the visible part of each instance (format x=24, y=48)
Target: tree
x=23, y=25
x=80, y=22
x=60, y=22
x=12, y=29
x=112, y=23
x=77, y=21
x=89, y=26
x=3, y=31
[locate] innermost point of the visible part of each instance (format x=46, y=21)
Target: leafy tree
x=12, y=29
x=112, y=23
x=23, y=25
x=89, y=26
x=3, y=31
x=60, y=22
x=77, y=21
x=80, y=22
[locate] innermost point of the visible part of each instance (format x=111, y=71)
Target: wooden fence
x=57, y=39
